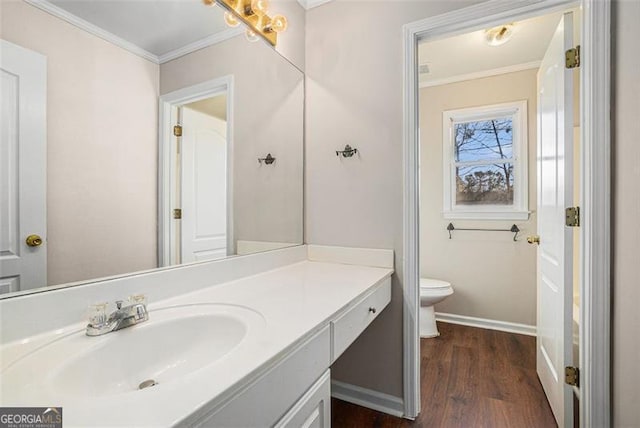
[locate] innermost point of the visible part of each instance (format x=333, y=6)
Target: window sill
x=487, y=215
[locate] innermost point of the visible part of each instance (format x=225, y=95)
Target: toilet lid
x=433, y=283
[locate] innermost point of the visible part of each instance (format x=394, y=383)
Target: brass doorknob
x=34, y=240
x=533, y=239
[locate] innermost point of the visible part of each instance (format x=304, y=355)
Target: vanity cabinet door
x=262, y=402
x=313, y=410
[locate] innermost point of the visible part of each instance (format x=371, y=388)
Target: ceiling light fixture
x=500, y=35
x=254, y=14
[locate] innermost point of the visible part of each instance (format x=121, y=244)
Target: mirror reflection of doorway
x=201, y=222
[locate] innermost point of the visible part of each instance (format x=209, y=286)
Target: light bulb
x=497, y=36
x=230, y=19
x=251, y=35
x=260, y=7
x=208, y=2
x=278, y=23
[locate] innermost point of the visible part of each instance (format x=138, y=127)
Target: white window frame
x=520, y=208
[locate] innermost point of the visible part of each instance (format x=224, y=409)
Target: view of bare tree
x=484, y=161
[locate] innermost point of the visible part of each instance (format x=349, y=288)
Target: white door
x=204, y=186
x=555, y=193
x=22, y=168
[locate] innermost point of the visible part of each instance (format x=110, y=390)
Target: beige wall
x=354, y=95
x=101, y=165
x=493, y=277
x=291, y=42
x=626, y=215
x=268, y=106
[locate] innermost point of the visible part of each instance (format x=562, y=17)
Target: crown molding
x=200, y=44
x=58, y=12
x=480, y=74
x=72, y=19
x=310, y=4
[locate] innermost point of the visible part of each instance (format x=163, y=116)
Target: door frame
x=595, y=188
x=167, y=159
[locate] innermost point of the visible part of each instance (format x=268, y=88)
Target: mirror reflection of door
x=23, y=254
x=203, y=185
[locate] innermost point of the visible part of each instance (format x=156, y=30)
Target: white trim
x=200, y=44
x=166, y=159
x=310, y=4
x=595, y=407
x=486, y=215
x=351, y=256
x=368, y=398
x=410, y=225
x=480, y=74
x=595, y=230
x=510, y=327
x=520, y=208
x=72, y=19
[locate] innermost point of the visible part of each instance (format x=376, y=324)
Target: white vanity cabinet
x=263, y=401
x=261, y=333
x=295, y=391
x=313, y=410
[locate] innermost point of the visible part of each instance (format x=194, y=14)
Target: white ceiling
x=469, y=54
x=157, y=26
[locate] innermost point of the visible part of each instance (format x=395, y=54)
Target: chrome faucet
x=123, y=317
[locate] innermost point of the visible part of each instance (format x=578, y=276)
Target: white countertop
x=295, y=301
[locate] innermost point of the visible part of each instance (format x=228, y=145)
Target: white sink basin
x=174, y=343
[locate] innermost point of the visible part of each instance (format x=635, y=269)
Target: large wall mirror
x=138, y=135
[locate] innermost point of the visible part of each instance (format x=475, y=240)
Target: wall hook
x=347, y=152
x=268, y=160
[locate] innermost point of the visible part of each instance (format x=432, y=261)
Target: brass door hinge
x=177, y=130
x=572, y=216
x=572, y=57
x=177, y=213
x=572, y=376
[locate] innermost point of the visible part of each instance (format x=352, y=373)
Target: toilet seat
x=433, y=284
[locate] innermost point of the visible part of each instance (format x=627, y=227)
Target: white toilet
x=432, y=291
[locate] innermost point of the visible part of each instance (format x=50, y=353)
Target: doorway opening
x=497, y=160
x=196, y=173
x=593, y=188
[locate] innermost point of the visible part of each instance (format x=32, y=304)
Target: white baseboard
x=511, y=327
x=364, y=397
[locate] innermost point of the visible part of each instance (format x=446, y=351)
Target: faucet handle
x=97, y=313
x=138, y=299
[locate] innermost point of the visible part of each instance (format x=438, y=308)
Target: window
x=485, y=162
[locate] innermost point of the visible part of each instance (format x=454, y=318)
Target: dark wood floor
x=471, y=377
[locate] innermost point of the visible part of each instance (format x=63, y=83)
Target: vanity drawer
x=348, y=326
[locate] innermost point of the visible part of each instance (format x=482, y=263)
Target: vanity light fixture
x=254, y=14
x=499, y=35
